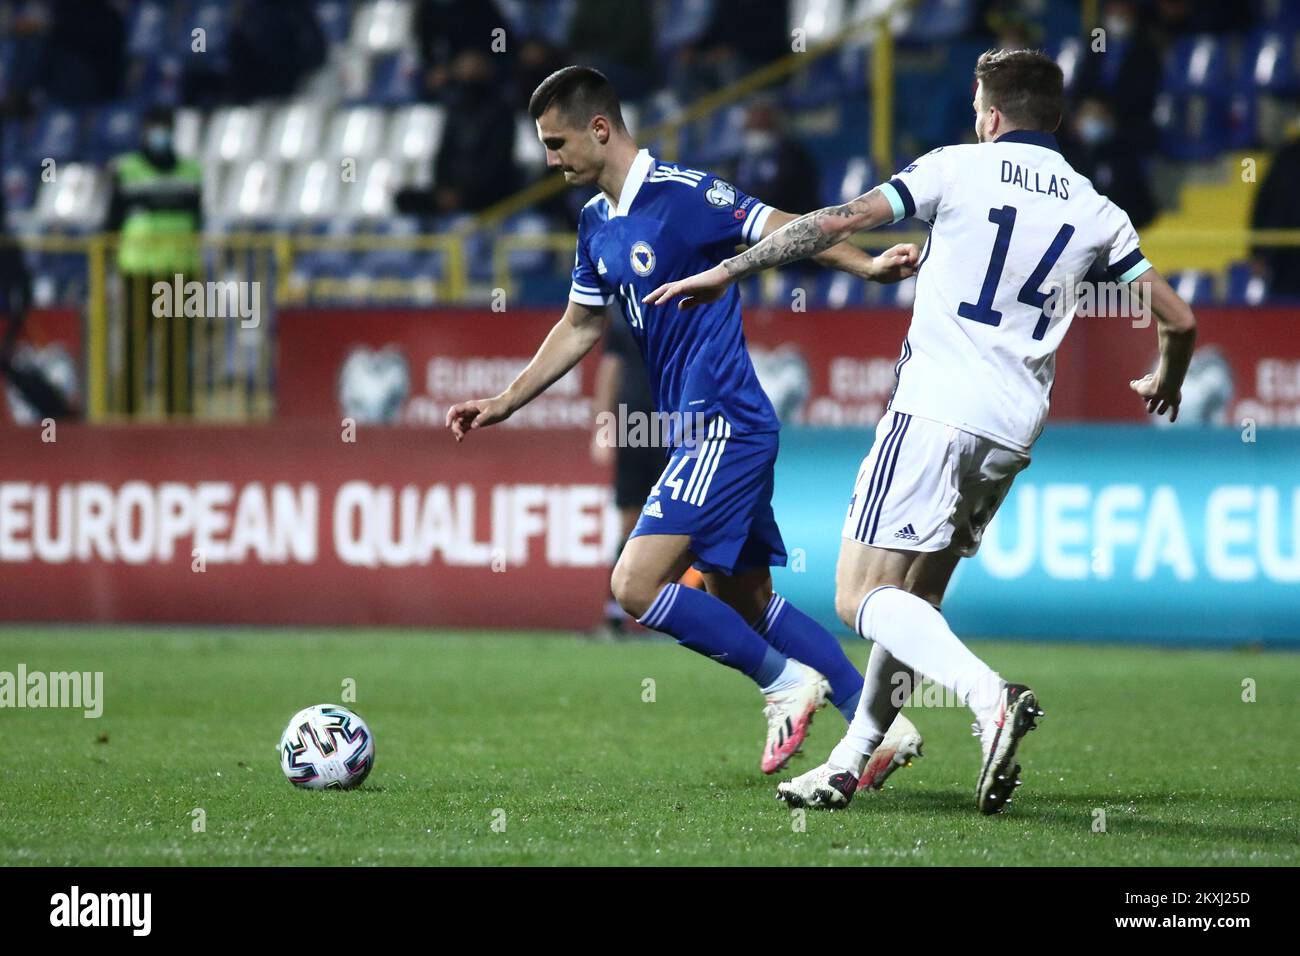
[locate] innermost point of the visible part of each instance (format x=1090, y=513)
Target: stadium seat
x=529, y=153
x=112, y=130
x=356, y=132
x=335, y=19
x=383, y=25
x=54, y=134
x=294, y=131
x=312, y=189
x=394, y=79
x=679, y=23
x=1270, y=64
x=213, y=18
x=1195, y=287
x=76, y=199
x=414, y=134
x=937, y=20
x=235, y=134
x=1193, y=127
x=1197, y=64
x=371, y=196
x=252, y=191
x=1244, y=287
x=146, y=32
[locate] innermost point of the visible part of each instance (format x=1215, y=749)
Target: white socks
x=791, y=676
x=915, y=633
x=887, y=684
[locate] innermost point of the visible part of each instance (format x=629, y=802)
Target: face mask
x=158, y=140
x=1094, y=130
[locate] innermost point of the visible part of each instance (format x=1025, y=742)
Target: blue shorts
x=719, y=492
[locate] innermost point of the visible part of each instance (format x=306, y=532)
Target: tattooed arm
x=803, y=237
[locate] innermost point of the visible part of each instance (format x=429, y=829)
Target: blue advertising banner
x=1114, y=532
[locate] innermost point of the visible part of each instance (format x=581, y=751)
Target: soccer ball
x=326, y=747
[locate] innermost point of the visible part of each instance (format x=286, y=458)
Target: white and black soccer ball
x=326, y=747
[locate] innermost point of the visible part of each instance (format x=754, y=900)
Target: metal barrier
x=202, y=346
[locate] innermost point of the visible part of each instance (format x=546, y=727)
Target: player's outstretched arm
x=803, y=237
x=572, y=337
x=896, y=263
x=1176, y=326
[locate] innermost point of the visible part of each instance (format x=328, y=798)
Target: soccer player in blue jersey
x=652, y=222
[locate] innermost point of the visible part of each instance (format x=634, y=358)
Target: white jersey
x=1012, y=225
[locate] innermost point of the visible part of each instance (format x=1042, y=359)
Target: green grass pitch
x=550, y=735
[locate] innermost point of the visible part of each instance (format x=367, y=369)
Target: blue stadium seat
x=1196, y=288
x=1197, y=64
x=113, y=130
x=146, y=32
x=681, y=22
x=19, y=183
x=1269, y=63
x=335, y=19
x=394, y=79
x=54, y=134
x=1243, y=286
x=211, y=16
x=934, y=20
x=1193, y=127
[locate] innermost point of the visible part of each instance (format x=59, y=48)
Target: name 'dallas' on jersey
x=671, y=223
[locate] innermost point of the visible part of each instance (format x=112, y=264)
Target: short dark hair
x=579, y=93
x=1026, y=85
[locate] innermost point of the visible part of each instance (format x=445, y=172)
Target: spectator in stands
x=446, y=28
x=273, y=46
x=1092, y=145
x=156, y=208
x=617, y=38
x=1127, y=74
x=72, y=51
x=742, y=36
x=475, y=165
x=773, y=165
x=1277, y=206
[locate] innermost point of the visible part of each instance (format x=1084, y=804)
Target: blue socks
x=713, y=628
x=796, y=635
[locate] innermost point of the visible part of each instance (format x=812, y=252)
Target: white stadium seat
x=415, y=132
x=294, y=131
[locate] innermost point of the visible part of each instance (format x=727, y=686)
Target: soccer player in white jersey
x=1012, y=226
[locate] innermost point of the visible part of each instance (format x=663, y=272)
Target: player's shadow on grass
x=1079, y=808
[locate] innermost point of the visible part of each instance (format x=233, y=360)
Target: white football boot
x=823, y=788
x=901, y=745
x=1000, y=732
x=789, y=716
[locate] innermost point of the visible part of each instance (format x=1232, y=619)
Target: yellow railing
x=148, y=357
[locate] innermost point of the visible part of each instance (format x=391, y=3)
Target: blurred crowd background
x=378, y=152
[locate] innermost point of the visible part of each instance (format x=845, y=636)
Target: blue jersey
x=671, y=223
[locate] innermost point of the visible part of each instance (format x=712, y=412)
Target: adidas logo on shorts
x=907, y=533
x=653, y=510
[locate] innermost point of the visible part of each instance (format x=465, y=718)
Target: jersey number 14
x=982, y=311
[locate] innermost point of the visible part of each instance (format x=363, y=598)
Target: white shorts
x=926, y=486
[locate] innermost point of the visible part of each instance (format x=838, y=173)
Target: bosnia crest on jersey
x=643, y=258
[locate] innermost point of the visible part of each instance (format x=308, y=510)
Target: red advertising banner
x=298, y=524
x=823, y=368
